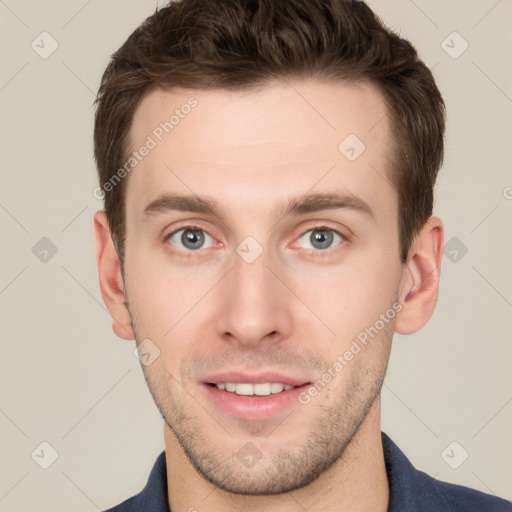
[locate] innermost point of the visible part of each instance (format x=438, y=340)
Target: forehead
x=279, y=140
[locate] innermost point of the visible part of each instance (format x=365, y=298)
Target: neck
x=356, y=482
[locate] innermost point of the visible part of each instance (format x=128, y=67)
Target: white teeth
x=259, y=389
x=262, y=389
x=244, y=389
x=275, y=387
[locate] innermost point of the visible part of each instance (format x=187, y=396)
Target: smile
x=248, y=389
x=253, y=397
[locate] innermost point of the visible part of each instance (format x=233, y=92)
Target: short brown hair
x=244, y=44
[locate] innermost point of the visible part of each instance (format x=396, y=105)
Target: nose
x=253, y=305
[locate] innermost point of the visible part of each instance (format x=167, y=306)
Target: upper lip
x=238, y=377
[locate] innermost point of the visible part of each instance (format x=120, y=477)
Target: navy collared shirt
x=410, y=490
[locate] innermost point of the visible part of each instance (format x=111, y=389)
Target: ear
x=420, y=279
x=111, y=279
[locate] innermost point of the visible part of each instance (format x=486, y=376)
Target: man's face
x=256, y=293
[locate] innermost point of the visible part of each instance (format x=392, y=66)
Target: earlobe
x=110, y=278
x=420, y=283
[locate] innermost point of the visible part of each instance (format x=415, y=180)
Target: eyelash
x=320, y=227
x=330, y=250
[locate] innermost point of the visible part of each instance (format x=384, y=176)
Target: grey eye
x=191, y=239
x=320, y=239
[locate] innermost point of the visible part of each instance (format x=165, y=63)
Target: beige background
x=68, y=380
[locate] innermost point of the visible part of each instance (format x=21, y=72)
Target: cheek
x=162, y=295
x=351, y=297
x=347, y=296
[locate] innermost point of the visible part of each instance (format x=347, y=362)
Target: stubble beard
x=280, y=470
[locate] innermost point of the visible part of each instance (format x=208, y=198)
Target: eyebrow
x=308, y=203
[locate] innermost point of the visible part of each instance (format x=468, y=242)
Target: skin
x=293, y=309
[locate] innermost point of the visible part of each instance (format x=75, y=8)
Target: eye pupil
x=192, y=238
x=321, y=239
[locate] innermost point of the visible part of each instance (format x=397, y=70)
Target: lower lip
x=254, y=407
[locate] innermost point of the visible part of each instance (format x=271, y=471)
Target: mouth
x=258, y=389
x=254, y=397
